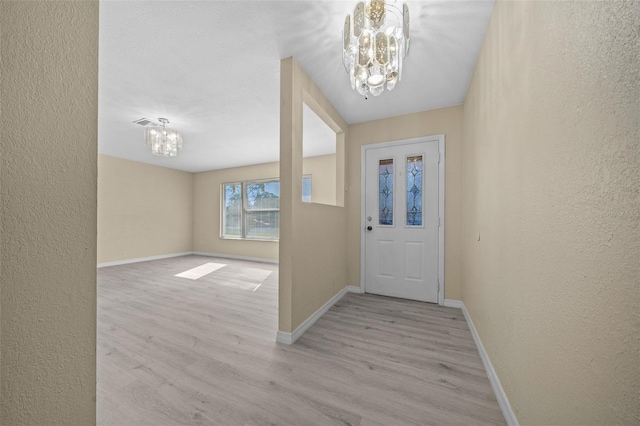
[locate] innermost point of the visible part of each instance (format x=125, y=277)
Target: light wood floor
x=172, y=351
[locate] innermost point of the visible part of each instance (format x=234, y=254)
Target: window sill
x=270, y=240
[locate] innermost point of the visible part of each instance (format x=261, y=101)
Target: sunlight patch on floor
x=256, y=274
x=201, y=271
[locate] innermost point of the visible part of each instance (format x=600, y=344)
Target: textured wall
x=206, y=214
x=143, y=210
x=2, y=125
x=551, y=180
x=313, y=249
x=49, y=94
x=445, y=120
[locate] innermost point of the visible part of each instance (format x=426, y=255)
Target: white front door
x=401, y=221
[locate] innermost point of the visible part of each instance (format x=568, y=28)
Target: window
x=232, y=214
x=385, y=192
x=414, y=190
x=306, y=188
x=251, y=210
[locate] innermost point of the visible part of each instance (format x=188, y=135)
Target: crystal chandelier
x=375, y=42
x=162, y=141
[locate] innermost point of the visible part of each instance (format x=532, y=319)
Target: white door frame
x=441, y=148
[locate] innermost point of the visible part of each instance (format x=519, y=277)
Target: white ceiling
x=213, y=69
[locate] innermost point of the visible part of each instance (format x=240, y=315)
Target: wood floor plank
x=176, y=351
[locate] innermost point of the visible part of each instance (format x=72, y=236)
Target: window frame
x=245, y=209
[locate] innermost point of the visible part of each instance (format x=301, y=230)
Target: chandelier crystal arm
x=375, y=43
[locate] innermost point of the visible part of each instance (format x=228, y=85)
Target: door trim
x=441, y=198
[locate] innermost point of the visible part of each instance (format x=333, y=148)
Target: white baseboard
x=185, y=253
x=290, y=338
x=142, y=259
x=503, y=401
x=354, y=289
x=453, y=303
x=284, y=337
x=231, y=256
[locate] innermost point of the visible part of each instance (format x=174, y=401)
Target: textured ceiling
x=213, y=69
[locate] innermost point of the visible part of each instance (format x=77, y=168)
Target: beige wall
x=445, y=120
x=206, y=214
x=323, y=178
x=313, y=250
x=551, y=177
x=143, y=210
x=49, y=93
x=2, y=125
x=550, y=164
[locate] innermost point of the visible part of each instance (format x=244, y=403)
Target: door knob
x=369, y=228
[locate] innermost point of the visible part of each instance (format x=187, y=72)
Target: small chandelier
x=162, y=141
x=375, y=42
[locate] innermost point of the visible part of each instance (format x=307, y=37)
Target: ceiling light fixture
x=162, y=141
x=375, y=42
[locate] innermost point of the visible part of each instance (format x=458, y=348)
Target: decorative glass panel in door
x=414, y=190
x=385, y=192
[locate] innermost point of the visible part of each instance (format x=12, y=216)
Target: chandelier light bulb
x=375, y=43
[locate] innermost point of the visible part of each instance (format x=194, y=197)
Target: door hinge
x=439, y=157
x=439, y=223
